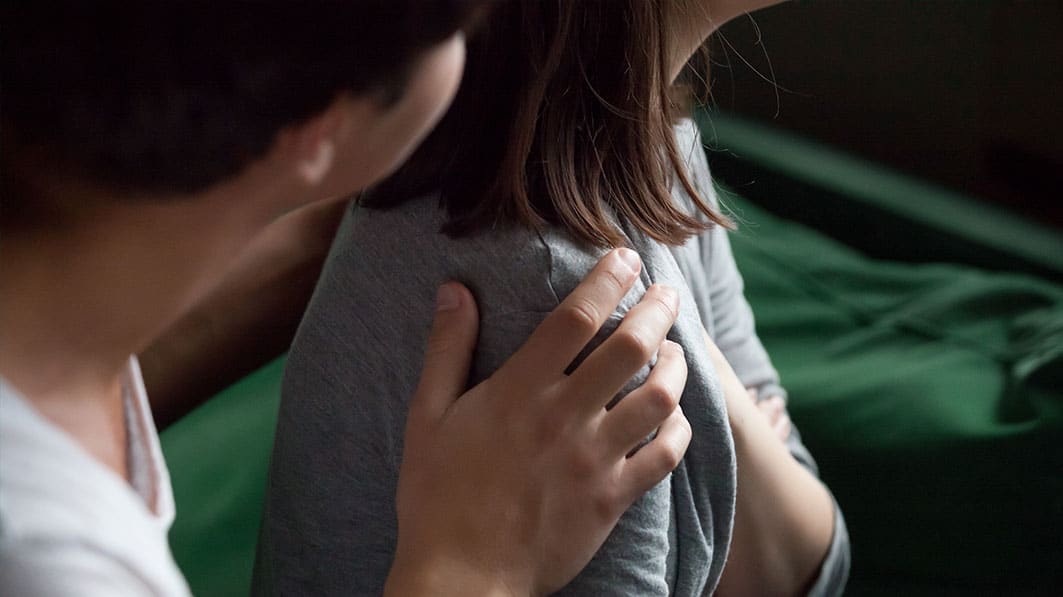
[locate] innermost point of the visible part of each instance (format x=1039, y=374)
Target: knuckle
x=684, y=425
x=665, y=299
x=673, y=349
x=664, y=308
x=582, y=316
x=633, y=341
x=439, y=344
x=675, y=366
x=660, y=399
x=681, y=369
x=671, y=459
x=672, y=452
x=671, y=455
x=605, y=505
x=614, y=280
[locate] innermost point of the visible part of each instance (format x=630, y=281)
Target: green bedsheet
x=932, y=397
x=218, y=457
x=930, y=394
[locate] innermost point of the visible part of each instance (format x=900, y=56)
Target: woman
x=560, y=146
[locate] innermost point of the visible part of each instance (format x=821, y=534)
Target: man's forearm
x=247, y=320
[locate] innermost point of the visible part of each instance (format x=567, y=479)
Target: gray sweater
x=330, y=525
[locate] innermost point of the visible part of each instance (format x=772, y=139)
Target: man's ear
x=311, y=145
x=316, y=165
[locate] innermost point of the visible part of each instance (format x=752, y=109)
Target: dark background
x=964, y=93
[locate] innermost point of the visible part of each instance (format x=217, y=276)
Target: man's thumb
x=448, y=355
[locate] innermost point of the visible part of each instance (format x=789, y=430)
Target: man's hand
x=511, y=487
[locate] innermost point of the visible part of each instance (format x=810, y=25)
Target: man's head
x=173, y=98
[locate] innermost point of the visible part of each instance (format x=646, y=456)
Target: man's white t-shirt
x=71, y=526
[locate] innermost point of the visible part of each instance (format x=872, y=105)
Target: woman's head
x=565, y=115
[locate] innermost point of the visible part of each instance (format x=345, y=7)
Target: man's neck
x=77, y=298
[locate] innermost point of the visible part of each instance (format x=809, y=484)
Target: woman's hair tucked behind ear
x=565, y=116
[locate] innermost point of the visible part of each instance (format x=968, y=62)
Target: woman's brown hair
x=565, y=116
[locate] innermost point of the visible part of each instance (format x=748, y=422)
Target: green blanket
x=930, y=395
x=218, y=458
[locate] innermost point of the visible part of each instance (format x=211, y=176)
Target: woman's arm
x=729, y=317
x=776, y=479
x=784, y=516
x=786, y=523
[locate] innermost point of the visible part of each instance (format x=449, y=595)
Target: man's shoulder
x=61, y=511
x=46, y=480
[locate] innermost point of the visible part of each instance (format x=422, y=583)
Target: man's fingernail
x=447, y=298
x=630, y=259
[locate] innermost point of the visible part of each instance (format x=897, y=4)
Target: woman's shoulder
x=508, y=268
x=406, y=249
x=691, y=148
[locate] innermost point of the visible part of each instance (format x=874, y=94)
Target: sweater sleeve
x=737, y=339
x=732, y=327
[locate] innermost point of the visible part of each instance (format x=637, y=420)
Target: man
x=144, y=147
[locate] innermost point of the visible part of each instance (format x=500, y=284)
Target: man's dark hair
x=174, y=96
